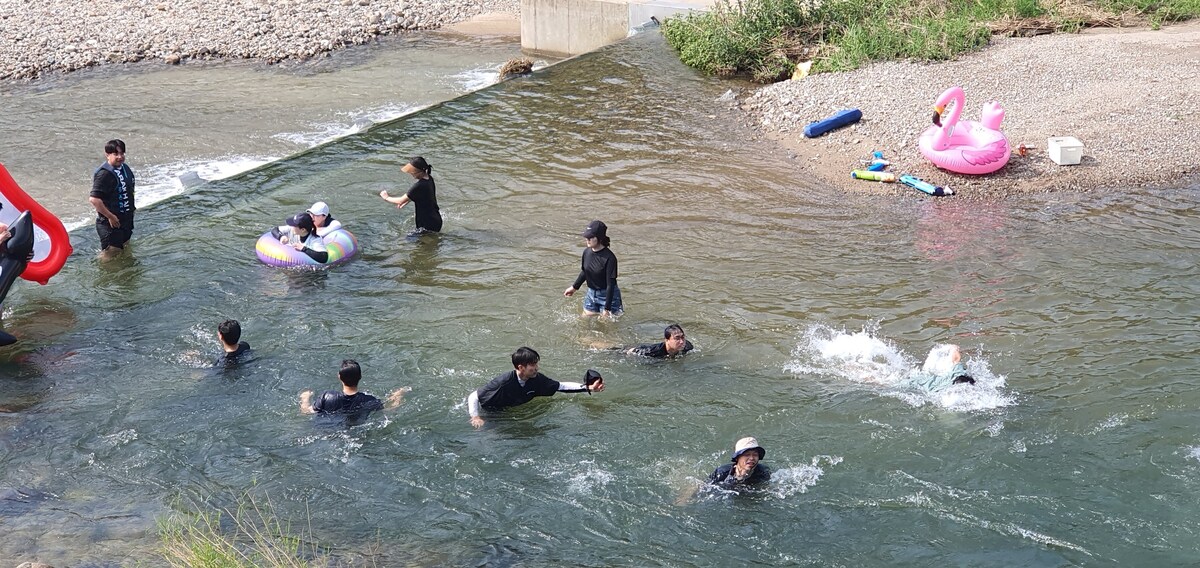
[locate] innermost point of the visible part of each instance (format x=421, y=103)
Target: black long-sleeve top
x=599, y=269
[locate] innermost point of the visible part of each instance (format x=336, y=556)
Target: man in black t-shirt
x=112, y=196
x=354, y=405
x=229, y=333
x=674, y=343
x=523, y=384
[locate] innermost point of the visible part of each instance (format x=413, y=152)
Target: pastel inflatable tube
x=340, y=243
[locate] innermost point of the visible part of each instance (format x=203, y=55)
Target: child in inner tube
x=301, y=234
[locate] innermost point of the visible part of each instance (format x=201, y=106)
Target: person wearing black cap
x=599, y=270
x=744, y=469
x=423, y=193
x=301, y=233
x=521, y=385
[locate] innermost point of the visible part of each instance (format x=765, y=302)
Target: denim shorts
x=595, y=299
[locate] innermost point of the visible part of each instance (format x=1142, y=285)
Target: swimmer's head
x=230, y=332
x=350, y=373
x=318, y=208
x=675, y=340
x=748, y=444
x=301, y=221
x=942, y=359
x=963, y=379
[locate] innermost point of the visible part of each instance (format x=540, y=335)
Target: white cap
x=319, y=208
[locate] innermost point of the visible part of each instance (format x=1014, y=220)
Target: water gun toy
x=924, y=186
x=887, y=177
x=876, y=163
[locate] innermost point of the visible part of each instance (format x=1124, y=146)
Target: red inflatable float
x=51, y=245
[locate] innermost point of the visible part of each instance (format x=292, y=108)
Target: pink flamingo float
x=966, y=147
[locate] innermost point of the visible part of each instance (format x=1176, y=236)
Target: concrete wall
x=562, y=28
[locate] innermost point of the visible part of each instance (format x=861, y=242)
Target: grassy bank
x=248, y=536
x=765, y=39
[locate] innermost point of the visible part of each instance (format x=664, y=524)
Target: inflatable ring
x=341, y=245
x=966, y=147
x=51, y=244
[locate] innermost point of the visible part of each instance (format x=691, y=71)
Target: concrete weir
x=563, y=28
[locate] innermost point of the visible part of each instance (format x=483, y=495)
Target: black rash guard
x=599, y=270
x=423, y=194
x=723, y=476
x=658, y=350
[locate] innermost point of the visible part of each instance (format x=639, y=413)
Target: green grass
x=763, y=39
x=250, y=536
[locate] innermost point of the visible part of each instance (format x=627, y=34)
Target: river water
x=1077, y=313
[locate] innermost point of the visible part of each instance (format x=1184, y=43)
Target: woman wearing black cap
x=301, y=233
x=599, y=270
x=423, y=193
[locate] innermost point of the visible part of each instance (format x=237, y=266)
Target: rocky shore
x=46, y=36
x=1132, y=97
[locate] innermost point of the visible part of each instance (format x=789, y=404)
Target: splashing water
x=862, y=357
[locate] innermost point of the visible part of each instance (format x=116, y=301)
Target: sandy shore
x=1132, y=97
x=49, y=36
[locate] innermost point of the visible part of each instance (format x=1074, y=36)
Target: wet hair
x=231, y=331
x=113, y=146
x=963, y=379
x=420, y=163
x=525, y=356
x=351, y=373
x=672, y=330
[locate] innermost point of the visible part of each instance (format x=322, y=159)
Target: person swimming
x=943, y=368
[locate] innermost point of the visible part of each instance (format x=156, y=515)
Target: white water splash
x=862, y=357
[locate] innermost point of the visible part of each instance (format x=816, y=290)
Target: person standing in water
x=423, y=193
x=599, y=270
x=112, y=196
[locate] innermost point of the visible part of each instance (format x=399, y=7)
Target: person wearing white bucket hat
x=745, y=468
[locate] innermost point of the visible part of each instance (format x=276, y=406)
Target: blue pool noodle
x=838, y=120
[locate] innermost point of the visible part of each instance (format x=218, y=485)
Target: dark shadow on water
x=304, y=281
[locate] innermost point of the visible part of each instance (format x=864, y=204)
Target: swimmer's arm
x=564, y=386
x=396, y=398
x=473, y=409
x=399, y=201
x=322, y=256
x=306, y=402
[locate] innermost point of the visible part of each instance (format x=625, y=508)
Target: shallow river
x=1077, y=312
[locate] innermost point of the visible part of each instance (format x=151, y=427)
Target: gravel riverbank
x=45, y=36
x=1131, y=97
